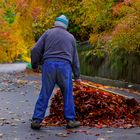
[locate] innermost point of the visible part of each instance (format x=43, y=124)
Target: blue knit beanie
x=62, y=21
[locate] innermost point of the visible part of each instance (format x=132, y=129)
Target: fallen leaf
x=109, y=131
x=100, y=138
x=61, y=135
x=1, y=135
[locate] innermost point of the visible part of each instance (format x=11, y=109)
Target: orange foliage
x=116, y=9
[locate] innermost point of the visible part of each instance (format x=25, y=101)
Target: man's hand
x=77, y=80
x=36, y=70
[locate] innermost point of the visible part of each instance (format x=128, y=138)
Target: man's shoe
x=72, y=124
x=35, y=125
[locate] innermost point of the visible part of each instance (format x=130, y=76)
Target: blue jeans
x=59, y=73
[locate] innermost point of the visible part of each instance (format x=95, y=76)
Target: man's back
x=59, y=43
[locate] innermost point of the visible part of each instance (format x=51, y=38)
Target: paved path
x=18, y=94
x=16, y=67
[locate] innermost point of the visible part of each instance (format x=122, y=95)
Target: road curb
x=110, y=82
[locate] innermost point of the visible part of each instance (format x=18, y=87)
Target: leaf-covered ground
x=18, y=94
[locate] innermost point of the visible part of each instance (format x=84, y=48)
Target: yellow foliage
x=94, y=38
x=26, y=59
x=127, y=33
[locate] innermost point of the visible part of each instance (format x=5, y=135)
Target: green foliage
x=38, y=29
x=9, y=16
x=118, y=57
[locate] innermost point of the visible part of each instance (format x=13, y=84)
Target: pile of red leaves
x=96, y=108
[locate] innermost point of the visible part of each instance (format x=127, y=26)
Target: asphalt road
x=15, y=67
x=18, y=94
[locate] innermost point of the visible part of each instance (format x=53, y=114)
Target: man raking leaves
x=57, y=49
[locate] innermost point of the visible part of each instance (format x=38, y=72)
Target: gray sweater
x=56, y=44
